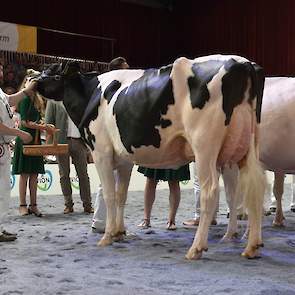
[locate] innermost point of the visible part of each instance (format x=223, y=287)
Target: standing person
x=57, y=115
x=153, y=177
x=31, y=109
x=7, y=133
x=99, y=217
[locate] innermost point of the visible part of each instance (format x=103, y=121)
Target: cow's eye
x=57, y=77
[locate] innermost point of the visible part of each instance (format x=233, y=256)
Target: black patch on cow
x=234, y=84
x=260, y=79
x=91, y=111
x=111, y=90
x=203, y=74
x=78, y=91
x=139, y=108
x=87, y=137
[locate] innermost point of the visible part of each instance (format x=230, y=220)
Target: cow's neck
x=77, y=94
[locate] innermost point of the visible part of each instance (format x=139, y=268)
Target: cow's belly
x=277, y=141
x=171, y=154
x=277, y=130
x=237, y=141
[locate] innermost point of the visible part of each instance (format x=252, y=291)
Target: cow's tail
x=252, y=183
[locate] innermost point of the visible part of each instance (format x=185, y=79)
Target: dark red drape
x=261, y=30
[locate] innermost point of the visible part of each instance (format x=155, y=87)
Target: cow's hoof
x=230, y=237
x=278, y=224
x=194, y=254
x=252, y=252
x=119, y=236
x=105, y=241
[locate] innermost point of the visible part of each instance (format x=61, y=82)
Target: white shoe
x=98, y=227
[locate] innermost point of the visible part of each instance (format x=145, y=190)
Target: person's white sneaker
x=98, y=227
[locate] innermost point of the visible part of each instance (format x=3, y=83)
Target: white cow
x=277, y=149
x=205, y=109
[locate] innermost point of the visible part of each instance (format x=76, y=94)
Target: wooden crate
x=45, y=149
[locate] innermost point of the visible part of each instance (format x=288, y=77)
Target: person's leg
x=149, y=198
x=23, y=180
x=5, y=194
x=99, y=216
x=292, y=205
x=65, y=182
x=79, y=156
x=33, y=178
x=174, y=199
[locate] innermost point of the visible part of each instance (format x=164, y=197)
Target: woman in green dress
x=173, y=177
x=31, y=108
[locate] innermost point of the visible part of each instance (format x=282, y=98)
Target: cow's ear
x=71, y=68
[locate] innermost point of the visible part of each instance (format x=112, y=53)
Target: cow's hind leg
x=252, y=181
x=209, y=196
x=233, y=196
x=122, y=182
x=104, y=166
x=278, y=190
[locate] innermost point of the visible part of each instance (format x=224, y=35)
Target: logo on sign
x=45, y=181
x=185, y=182
x=75, y=182
x=12, y=181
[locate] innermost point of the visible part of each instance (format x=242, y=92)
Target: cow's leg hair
x=209, y=197
x=252, y=183
x=230, y=179
x=278, y=190
x=104, y=166
x=122, y=183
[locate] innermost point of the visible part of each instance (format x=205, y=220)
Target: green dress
x=22, y=163
x=180, y=174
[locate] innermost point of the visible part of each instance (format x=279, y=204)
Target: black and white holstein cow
x=206, y=109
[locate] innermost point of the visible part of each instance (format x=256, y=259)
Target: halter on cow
x=206, y=109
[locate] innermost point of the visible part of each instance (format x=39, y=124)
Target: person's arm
x=25, y=136
x=14, y=99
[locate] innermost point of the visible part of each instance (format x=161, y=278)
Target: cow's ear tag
x=71, y=68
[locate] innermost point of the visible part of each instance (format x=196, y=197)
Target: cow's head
x=51, y=82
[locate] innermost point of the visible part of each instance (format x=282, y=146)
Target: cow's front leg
x=209, y=200
x=278, y=190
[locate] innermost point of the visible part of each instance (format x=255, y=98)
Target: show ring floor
x=57, y=254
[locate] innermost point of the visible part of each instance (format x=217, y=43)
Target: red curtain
x=262, y=30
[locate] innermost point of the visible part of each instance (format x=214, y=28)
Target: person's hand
x=25, y=136
x=30, y=87
x=50, y=128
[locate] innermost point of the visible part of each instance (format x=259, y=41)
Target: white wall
x=48, y=184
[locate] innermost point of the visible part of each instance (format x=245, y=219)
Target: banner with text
x=18, y=38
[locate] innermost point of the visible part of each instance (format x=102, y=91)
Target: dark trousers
x=78, y=153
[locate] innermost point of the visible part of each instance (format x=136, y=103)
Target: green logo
x=75, y=182
x=185, y=182
x=45, y=181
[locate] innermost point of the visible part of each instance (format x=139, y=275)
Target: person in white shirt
x=7, y=133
